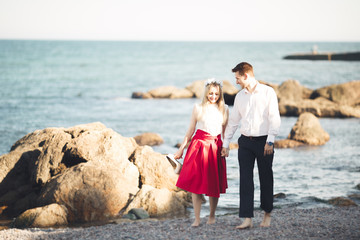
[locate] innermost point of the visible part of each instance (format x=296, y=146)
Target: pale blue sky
x=189, y=20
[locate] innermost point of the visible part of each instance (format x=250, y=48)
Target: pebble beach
x=287, y=223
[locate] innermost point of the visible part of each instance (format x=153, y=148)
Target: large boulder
x=92, y=191
x=308, y=130
x=291, y=90
x=336, y=101
x=320, y=107
x=154, y=169
x=47, y=216
x=89, y=169
x=344, y=94
x=159, y=202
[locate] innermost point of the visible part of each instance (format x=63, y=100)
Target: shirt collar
x=256, y=88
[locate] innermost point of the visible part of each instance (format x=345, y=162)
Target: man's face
x=241, y=80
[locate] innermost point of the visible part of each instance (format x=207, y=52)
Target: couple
x=204, y=169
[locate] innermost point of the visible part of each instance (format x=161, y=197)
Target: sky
x=183, y=20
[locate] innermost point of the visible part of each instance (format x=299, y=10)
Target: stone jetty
x=328, y=56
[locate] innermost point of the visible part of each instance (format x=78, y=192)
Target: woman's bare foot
x=247, y=223
x=266, y=221
x=196, y=223
x=211, y=220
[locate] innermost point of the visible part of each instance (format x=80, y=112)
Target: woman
x=204, y=170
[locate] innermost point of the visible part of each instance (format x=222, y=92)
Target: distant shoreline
x=289, y=223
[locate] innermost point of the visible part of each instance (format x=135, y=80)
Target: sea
x=66, y=83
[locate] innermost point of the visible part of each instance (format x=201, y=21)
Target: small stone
x=355, y=196
x=280, y=195
x=130, y=216
x=139, y=213
x=341, y=201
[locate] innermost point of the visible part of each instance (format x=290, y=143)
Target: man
x=256, y=110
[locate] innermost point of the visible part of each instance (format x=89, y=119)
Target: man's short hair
x=243, y=68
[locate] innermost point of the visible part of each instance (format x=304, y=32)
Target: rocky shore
x=289, y=223
x=333, y=101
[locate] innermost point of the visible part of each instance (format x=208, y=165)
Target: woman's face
x=214, y=94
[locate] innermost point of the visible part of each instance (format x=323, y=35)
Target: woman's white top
x=210, y=119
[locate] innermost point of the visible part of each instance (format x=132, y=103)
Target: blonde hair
x=220, y=102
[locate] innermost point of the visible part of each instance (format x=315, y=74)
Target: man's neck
x=252, y=84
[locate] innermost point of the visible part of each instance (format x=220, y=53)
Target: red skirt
x=204, y=170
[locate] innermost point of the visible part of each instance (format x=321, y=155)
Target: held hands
x=268, y=150
x=225, y=152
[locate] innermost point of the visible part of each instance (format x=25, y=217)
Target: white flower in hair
x=213, y=80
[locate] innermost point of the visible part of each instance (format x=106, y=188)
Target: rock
x=287, y=143
x=150, y=139
x=36, y=158
x=139, y=95
x=47, y=216
x=182, y=93
x=94, y=172
x=308, y=130
x=233, y=146
x=139, y=213
x=197, y=87
x=154, y=169
x=355, y=196
x=229, y=88
x=129, y=216
x=280, y=195
x=163, y=92
x=342, y=202
x=357, y=186
x=291, y=90
x=320, y=107
x=345, y=94
x=92, y=191
x=158, y=202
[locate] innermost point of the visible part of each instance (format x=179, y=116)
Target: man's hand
x=225, y=152
x=268, y=150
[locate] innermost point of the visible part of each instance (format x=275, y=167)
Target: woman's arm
x=226, y=122
x=188, y=135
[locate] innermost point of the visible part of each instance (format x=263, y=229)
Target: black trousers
x=251, y=148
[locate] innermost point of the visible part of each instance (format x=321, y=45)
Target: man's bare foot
x=246, y=224
x=196, y=223
x=266, y=221
x=211, y=220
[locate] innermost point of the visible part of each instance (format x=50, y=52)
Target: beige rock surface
x=42, y=217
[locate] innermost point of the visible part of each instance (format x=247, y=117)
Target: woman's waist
x=206, y=135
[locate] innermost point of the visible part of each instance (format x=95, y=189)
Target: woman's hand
x=178, y=154
x=225, y=152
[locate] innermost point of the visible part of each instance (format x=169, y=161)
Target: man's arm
x=231, y=127
x=273, y=117
x=274, y=123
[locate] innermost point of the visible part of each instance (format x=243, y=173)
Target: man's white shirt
x=256, y=112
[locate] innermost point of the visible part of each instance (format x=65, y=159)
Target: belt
x=255, y=138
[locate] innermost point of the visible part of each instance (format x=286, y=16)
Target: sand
x=289, y=223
